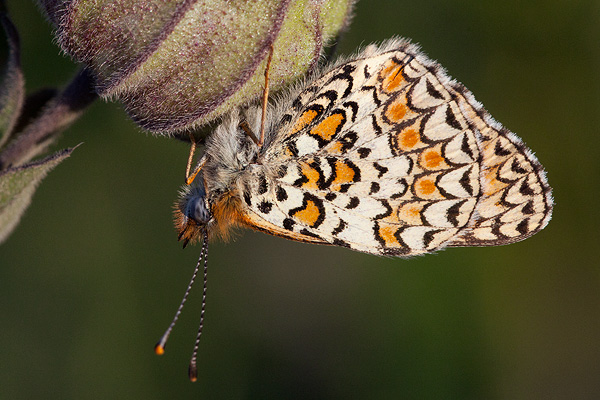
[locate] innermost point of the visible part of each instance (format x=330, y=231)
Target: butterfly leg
x=189, y=177
x=265, y=98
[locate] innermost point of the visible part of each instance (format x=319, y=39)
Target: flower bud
x=180, y=64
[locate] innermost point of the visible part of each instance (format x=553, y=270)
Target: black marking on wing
x=525, y=189
x=306, y=232
x=506, y=179
x=339, y=242
x=281, y=194
x=523, y=226
x=330, y=196
x=247, y=197
x=345, y=187
x=404, y=184
x=378, y=237
x=380, y=168
x=404, y=249
x=516, y=167
x=300, y=181
x=262, y=185
x=293, y=149
x=505, y=203
x=465, y=148
x=424, y=220
x=451, y=119
x=330, y=95
x=354, y=107
x=388, y=209
x=288, y=224
x=297, y=104
x=375, y=124
x=429, y=236
x=345, y=75
x=341, y=226
x=528, y=208
x=364, y=152
x=265, y=207
x=432, y=91
x=500, y=151
x=444, y=193
x=353, y=203
x=454, y=211
x=374, y=188
x=373, y=90
x=465, y=181
x=496, y=230
x=348, y=140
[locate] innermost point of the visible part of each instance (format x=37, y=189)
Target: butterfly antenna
x=193, y=369
x=160, y=346
x=261, y=140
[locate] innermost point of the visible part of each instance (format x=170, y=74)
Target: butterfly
x=381, y=152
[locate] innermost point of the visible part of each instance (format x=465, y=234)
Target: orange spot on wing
x=414, y=211
x=431, y=159
x=385, y=71
x=309, y=215
x=392, y=77
x=491, y=184
x=312, y=175
x=410, y=213
x=335, y=148
x=343, y=174
x=396, y=111
x=328, y=127
x=408, y=138
x=387, y=234
x=304, y=120
x=425, y=187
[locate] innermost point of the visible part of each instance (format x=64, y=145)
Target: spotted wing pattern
x=387, y=155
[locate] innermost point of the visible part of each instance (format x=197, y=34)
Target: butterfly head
x=192, y=213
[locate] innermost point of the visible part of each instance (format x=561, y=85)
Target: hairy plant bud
x=181, y=63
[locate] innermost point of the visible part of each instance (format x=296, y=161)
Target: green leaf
x=12, y=88
x=17, y=186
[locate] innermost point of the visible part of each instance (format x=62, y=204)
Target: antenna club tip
x=159, y=349
x=193, y=373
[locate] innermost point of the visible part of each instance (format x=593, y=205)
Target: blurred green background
x=94, y=273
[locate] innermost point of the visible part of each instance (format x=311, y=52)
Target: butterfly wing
x=387, y=155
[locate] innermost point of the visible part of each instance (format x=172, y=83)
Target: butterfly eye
x=196, y=206
x=198, y=210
